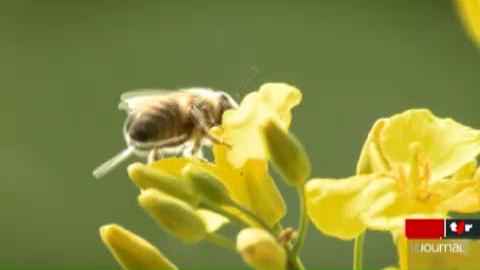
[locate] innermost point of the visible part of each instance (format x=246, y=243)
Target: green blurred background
x=63, y=65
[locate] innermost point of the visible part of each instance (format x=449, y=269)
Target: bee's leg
x=154, y=155
x=215, y=139
x=195, y=150
x=203, y=127
x=174, y=141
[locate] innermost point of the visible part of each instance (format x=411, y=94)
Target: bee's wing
x=110, y=164
x=133, y=99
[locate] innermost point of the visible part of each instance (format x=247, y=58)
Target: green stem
x=303, y=223
x=358, y=252
x=295, y=264
x=299, y=264
x=221, y=241
x=225, y=213
x=278, y=228
x=255, y=218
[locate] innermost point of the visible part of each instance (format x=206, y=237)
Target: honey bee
x=162, y=123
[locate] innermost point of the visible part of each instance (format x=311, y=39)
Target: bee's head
x=141, y=129
x=225, y=102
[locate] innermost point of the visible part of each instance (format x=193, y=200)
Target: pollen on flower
x=400, y=177
x=398, y=174
x=423, y=194
x=425, y=168
x=426, y=171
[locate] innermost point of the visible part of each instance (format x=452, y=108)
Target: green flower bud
x=261, y=250
x=131, y=251
x=146, y=177
x=287, y=154
x=207, y=185
x=177, y=216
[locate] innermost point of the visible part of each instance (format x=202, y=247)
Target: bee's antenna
x=110, y=164
x=253, y=72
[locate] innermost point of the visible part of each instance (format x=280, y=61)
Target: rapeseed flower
x=412, y=165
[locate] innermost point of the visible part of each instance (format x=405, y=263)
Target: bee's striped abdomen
x=167, y=114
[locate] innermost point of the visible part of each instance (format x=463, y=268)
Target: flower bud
x=287, y=154
x=178, y=217
x=261, y=250
x=131, y=251
x=147, y=177
x=207, y=185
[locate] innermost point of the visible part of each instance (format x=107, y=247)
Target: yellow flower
x=241, y=126
x=469, y=11
x=412, y=165
x=131, y=251
x=243, y=167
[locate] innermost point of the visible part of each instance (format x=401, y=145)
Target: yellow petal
x=264, y=197
x=446, y=144
x=336, y=206
x=457, y=195
x=371, y=159
x=476, y=174
x=466, y=201
x=251, y=186
x=131, y=251
x=240, y=126
x=467, y=171
x=390, y=211
x=469, y=11
x=212, y=220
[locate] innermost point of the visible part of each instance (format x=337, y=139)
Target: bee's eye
x=226, y=103
x=143, y=131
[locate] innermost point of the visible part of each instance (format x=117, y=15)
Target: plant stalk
x=303, y=222
x=221, y=241
x=358, y=252
x=255, y=218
